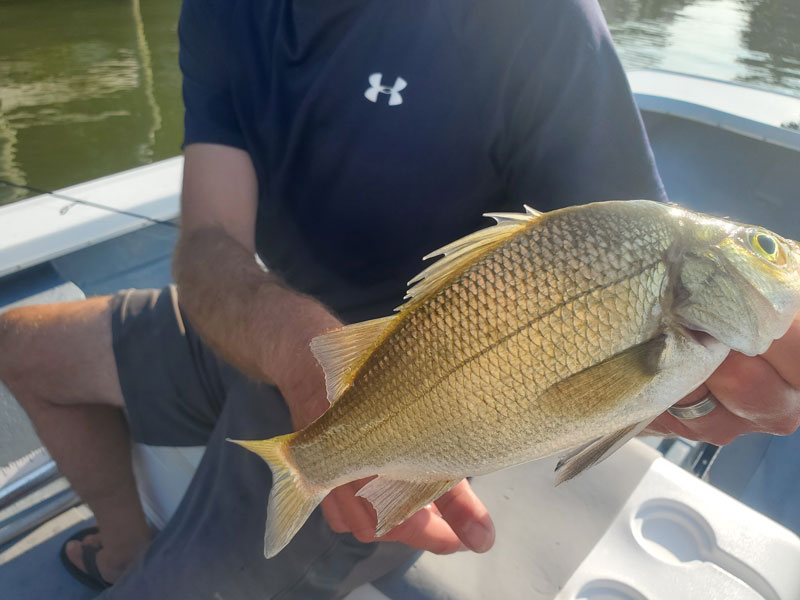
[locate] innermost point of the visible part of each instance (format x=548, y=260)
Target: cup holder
x=676, y=534
x=608, y=589
x=672, y=532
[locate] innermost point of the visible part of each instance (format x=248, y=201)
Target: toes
x=74, y=550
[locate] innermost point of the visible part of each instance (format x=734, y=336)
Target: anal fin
x=395, y=500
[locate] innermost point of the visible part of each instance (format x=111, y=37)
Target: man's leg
x=58, y=361
x=176, y=393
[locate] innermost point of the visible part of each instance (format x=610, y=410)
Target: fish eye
x=767, y=244
x=768, y=247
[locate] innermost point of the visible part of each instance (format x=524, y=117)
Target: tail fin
x=291, y=500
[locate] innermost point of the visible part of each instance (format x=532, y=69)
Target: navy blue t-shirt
x=381, y=130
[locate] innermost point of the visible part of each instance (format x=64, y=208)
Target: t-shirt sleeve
x=573, y=133
x=210, y=116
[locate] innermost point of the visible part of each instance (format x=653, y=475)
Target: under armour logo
x=377, y=88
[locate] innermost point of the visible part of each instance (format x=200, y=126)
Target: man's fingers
x=426, y=530
x=720, y=426
x=782, y=355
x=357, y=511
x=346, y=512
x=468, y=517
x=751, y=388
x=330, y=508
x=752, y=395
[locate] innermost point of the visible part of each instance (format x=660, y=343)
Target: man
x=341, y=141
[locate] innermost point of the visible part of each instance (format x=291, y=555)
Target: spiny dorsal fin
x=532, y=211
x=340, y=353
x=501, y=217
x=459, y=254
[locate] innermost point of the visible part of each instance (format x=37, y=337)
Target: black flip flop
x=91, y=577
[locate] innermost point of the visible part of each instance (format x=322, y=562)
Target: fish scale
x=543, y=333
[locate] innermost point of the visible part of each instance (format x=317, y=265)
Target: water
x=87, y=88
x=756, y=42
x=92, y=87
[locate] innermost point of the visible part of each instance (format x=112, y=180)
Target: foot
x=111, y=562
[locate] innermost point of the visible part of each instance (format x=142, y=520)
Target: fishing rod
x=74, y=200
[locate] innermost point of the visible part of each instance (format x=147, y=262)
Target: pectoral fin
x=605, y=384
x=396, y=500
x=598, y=389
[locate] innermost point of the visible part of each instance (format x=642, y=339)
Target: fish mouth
x=702, y=337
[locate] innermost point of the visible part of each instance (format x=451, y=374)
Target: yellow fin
x=600, y=387
x=502, y=217
x=605, y=384
x=340, y=353
x=457, y=255
x=532, y=211
x=291, y=500
x=395, y=500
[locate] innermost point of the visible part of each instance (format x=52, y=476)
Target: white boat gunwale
x=45, y=227
x=764, y=115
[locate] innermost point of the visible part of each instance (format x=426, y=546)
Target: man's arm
x=264, y=328
x=248, y=316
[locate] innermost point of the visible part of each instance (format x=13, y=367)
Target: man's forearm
x=248, y=316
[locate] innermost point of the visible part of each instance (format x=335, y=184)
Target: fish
x=564, y=332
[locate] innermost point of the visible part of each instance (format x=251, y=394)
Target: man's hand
x=759, y=393
x=456, y=521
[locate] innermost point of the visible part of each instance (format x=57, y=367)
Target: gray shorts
x=179, y=393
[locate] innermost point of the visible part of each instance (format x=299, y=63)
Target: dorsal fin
x=501, y=217
x=340, y=353
x=532, y=211
x=460, y=253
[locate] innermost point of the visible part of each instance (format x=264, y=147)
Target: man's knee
x=59, y=353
